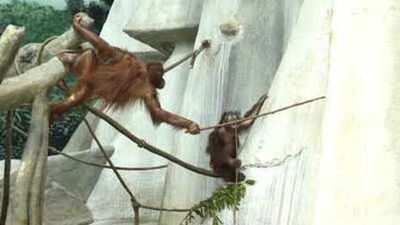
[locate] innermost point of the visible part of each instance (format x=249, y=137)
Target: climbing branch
x=105, y=166
x=29, y=183
x=136, y=205
x=134, y=202
x=9, y=44
x=143, y=144
x=27, y=56
x=22, y=89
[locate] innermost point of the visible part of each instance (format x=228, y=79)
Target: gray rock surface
x=161, y=25
x=76, y=177
x=68, y=185
x=61, y=207
x=231, y=75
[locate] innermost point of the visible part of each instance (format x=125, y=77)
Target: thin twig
x=7, y=168
x=105, y=166
x=134, y=202
x=164, y=209
x=136, y=211
x=261, y=115
x=205, y=44
x=143, y=144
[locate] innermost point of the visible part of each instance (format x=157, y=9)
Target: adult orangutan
x=116, y=76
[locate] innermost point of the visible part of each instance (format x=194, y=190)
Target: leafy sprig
x=226, y=197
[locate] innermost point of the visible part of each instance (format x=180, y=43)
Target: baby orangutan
x=116, y=76
x=222, y=143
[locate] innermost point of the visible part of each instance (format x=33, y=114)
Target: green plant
x=98, y=12
x=39, y=21
x=227, y=197
x=75, y=6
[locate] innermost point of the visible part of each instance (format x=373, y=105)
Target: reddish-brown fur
x=116, y=76
x=222, y=143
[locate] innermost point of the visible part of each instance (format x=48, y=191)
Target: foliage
x=21, y=118
x=227, y=197
x=107, y=2
x=39, y=21
x=75, y=6
x=98, y=12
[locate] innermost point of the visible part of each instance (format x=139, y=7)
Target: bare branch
x=105, y=166
x=39, y=177
x=30, y=179
x=27, y=56
x=143, y=144
x=22, y=89
x=164, y=209
x=134, y=202
x=9, y=44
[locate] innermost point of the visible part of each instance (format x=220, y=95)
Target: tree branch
x=22, y=89
x=27, y=55
x=143, y=144
x=105, y=166
x=29, y=183
x=135, y=203
x=9, y=44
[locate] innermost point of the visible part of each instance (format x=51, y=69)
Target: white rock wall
x=359, y=175
x=231, y=75
x=285, y=194
x=334, y=161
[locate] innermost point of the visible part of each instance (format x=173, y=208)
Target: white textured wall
x=285, y=194
x=341, y=153
x=359, y=176
x=231, y=75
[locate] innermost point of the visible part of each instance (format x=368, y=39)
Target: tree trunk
x=30, y=180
